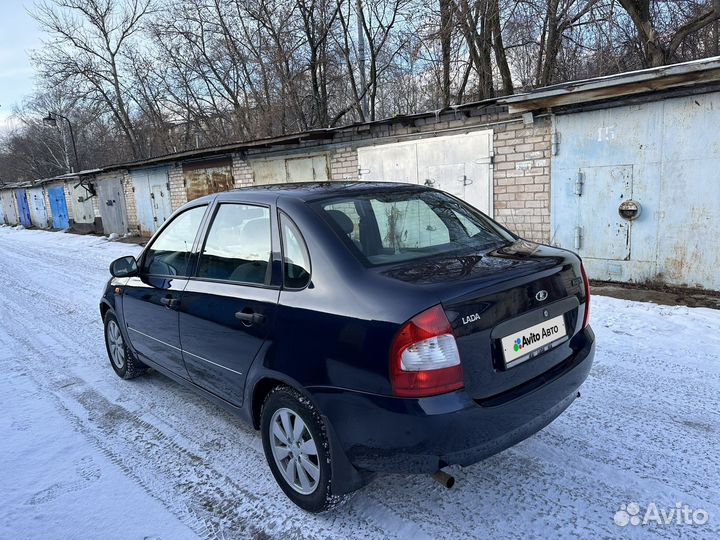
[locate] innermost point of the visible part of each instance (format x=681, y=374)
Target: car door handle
x=170, y=302
x=252, y=318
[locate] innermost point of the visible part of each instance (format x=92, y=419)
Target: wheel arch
x=104, y=308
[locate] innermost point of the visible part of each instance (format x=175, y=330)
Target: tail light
x=424, y=358
x=586, y=281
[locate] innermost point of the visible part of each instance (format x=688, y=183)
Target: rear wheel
x=297, y=450
x=122, y=360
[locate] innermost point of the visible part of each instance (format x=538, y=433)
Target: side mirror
x=124, y=267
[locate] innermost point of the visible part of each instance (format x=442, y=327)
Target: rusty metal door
x=663, y=156
x=152, y=198
x=206, y=177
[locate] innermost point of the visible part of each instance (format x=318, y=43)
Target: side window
x=296, y=260
x=238, y=246
x=170, y=253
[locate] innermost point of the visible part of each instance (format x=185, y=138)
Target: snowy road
x=85, y=454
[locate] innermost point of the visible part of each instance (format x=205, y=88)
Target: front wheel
x=125, y=365
x=297, y=450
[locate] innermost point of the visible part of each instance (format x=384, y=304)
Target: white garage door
x=458, y=164
x=295, y=169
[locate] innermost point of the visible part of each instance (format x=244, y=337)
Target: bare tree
x=88, y=40
x=658, y=47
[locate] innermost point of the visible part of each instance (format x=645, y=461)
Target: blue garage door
x=23, y=208
x=58, y=208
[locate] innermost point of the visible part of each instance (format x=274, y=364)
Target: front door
x=151, y=300
x=228, y=307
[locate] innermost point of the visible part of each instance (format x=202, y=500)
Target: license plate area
x=533, y=341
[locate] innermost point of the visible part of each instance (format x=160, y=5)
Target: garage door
x=10, y=215
x=291, y=169
x=458, y=164
x=111, y=201
x=38, y=211
x=206, y=177
x=634, y=191
x=152, y=198
x=81, y=203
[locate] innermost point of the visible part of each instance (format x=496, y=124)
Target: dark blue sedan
x=361, y=327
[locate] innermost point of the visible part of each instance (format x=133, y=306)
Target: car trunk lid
x=499, y=294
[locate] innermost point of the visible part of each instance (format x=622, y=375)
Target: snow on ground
x=84, y=454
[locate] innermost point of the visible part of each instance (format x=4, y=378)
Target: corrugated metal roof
x=613, y=86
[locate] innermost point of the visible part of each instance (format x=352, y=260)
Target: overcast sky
x=19, y=33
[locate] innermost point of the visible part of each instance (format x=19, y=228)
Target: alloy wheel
x=116, y=345
x=294, y=450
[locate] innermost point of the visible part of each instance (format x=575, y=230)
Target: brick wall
x=521, y=178
x=130, y=203
x=344, y=164
x=521, y=168
x=178, y=193
x=96, y=205
x=242, y=173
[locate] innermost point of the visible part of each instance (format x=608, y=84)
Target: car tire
x=122, y=360
x=301, y=450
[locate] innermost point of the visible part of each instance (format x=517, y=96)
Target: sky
x=19, y=33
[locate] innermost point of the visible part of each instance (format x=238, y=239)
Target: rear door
x=151, y=300
x=229, y=304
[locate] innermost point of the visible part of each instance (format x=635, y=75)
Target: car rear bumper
x=389, y=434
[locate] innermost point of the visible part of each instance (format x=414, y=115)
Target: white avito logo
x=680, y=514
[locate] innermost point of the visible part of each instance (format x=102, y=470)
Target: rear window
x=387, y=228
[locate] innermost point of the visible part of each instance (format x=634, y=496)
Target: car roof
x=309, y=191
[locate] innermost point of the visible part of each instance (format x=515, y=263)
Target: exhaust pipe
x=444, y=479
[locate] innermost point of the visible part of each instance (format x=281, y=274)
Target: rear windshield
x=391, y=227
